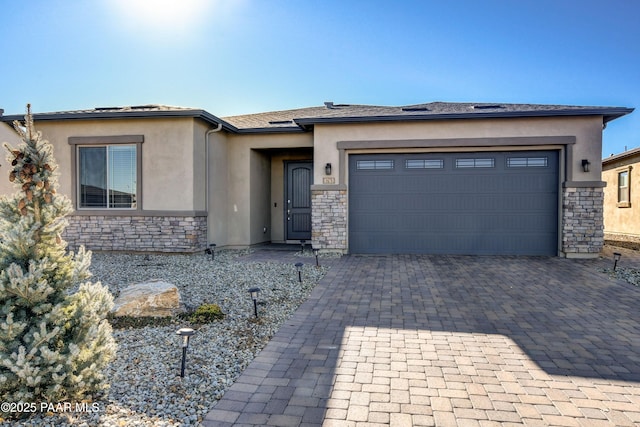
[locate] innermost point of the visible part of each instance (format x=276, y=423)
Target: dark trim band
x=584, y=184
x=104, y=140
x=458, y=142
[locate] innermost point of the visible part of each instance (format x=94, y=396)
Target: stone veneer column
x=329, y=219
x=137, y=233
x=582, y=221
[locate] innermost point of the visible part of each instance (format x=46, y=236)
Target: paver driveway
x=449, y=341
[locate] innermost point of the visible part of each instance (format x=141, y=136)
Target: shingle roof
x=274, y=120
x=136, y=111
x=302, y=118
x=626, y=154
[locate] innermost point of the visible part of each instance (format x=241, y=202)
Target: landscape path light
x=254, y=296
x=315, y=252
x=616, y=258
x=185, y=333
x=212, y=249
x=299, y=267
x=302, y=242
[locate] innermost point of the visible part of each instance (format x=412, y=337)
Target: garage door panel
x=364, y=223
x=461, y=222
x=417, y=184
x=460, y=244
x=398, y=204
x=389, y=203
x=484, y=210
x=531, y=184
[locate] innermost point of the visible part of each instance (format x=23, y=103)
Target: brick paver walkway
x=449, y=341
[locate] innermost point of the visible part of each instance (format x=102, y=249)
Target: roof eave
x=296, y=129
x=199, y=114
x=608, y=115
x=627, y=154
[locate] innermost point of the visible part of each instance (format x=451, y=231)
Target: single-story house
x=622, y=196
x=443, y=178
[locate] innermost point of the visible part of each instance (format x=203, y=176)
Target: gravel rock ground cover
x=629, y=250
x=146, y=389
x=630, y=275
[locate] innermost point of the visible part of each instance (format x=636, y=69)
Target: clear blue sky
x=243, y=56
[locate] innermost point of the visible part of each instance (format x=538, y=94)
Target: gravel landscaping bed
x=146, y=389
x=630, y=275
x=629, y=250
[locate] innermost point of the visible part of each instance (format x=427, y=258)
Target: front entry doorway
x=299, y=178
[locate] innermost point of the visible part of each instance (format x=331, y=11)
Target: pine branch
x=53, y=343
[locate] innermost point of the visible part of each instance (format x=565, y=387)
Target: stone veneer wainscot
x=140, y=233
x=329, y=219
x=582, y=221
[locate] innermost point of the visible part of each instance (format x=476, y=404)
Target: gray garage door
x=454, y=203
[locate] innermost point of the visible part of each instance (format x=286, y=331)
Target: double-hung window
x=107, y=174
x=624, y=200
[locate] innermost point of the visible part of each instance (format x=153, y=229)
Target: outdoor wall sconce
x=299, y=267
x=315, y=252
x=185, y=333
x=616, y=258
x=254, y=296
x=327, y=169
x=585, y=165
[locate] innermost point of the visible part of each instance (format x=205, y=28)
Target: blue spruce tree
x=54, y=339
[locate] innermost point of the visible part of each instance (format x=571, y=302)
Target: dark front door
x=298, y=200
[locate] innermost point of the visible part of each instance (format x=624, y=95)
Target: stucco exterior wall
x=586, y=130
x=622, y=222
x=243, y=202
x=171, y=205
x=167, y=156
x=218, y=212
x=577, y=138
x=260, y=218
x=198, y=173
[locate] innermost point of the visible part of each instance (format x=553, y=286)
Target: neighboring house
x=448, y=178
x=622, y=196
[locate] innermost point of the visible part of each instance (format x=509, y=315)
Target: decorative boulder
x=148, y=299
